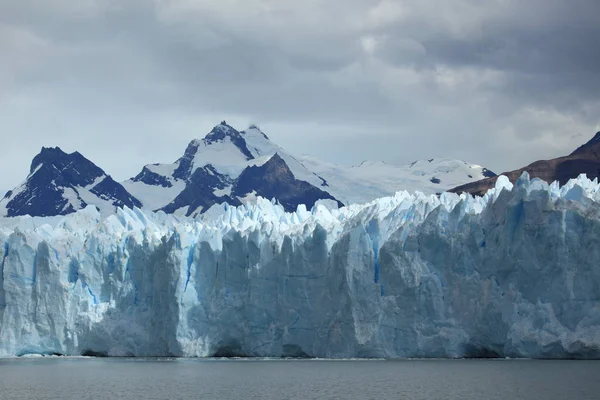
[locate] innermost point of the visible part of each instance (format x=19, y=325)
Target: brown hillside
x=584, y=160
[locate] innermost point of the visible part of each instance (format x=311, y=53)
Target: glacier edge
x=512, y=274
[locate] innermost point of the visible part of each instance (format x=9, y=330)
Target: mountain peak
x=221, y=131
x=60, y=183
x=57, y=152
x=595, y=139
x=592, y=144
x=51, y=150
x=62, y=161
x=200, y=152
x=254, y=127
x=47, y=154
x=276, y=158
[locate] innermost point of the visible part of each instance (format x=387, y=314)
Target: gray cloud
x=131, y=82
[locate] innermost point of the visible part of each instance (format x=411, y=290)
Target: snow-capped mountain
x=227, y=166
x=60, y=184
x=274, y=179
x=374, y=179
x=216, y=169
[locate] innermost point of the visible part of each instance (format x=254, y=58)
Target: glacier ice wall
x=514, y=273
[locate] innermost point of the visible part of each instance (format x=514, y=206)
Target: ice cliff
x=515, y=273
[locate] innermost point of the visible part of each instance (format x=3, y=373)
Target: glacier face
x=514, y=273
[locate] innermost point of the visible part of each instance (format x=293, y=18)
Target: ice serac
x=512, y=274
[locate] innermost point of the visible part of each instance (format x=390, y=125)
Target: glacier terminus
x=514, y=273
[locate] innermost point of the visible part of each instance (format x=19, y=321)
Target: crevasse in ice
x=515, y=273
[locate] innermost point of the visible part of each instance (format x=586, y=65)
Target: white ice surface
x=154, y=197
x=374, y=179
x=223, y=155
x=514, y=273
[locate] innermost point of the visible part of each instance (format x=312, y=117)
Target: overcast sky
x=130, y=82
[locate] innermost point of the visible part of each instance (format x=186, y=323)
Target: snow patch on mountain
x=373, y=179
x=154, y=197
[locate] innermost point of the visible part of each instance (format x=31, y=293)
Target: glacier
x=514, y=273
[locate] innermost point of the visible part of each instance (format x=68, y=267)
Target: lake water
x=64, y=378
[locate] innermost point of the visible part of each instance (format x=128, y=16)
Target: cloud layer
x=499, y=83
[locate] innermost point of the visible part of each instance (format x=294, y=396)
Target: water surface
x=129, y=379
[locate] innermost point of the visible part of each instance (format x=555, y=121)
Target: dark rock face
x=487, y=173
x=275, y=180
x=109, y=189
x=584, y=160
x=40, y=198
x=152, y=178
x=55, y=176
x=199, y=192
x=71, y=168
x=184, y=169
